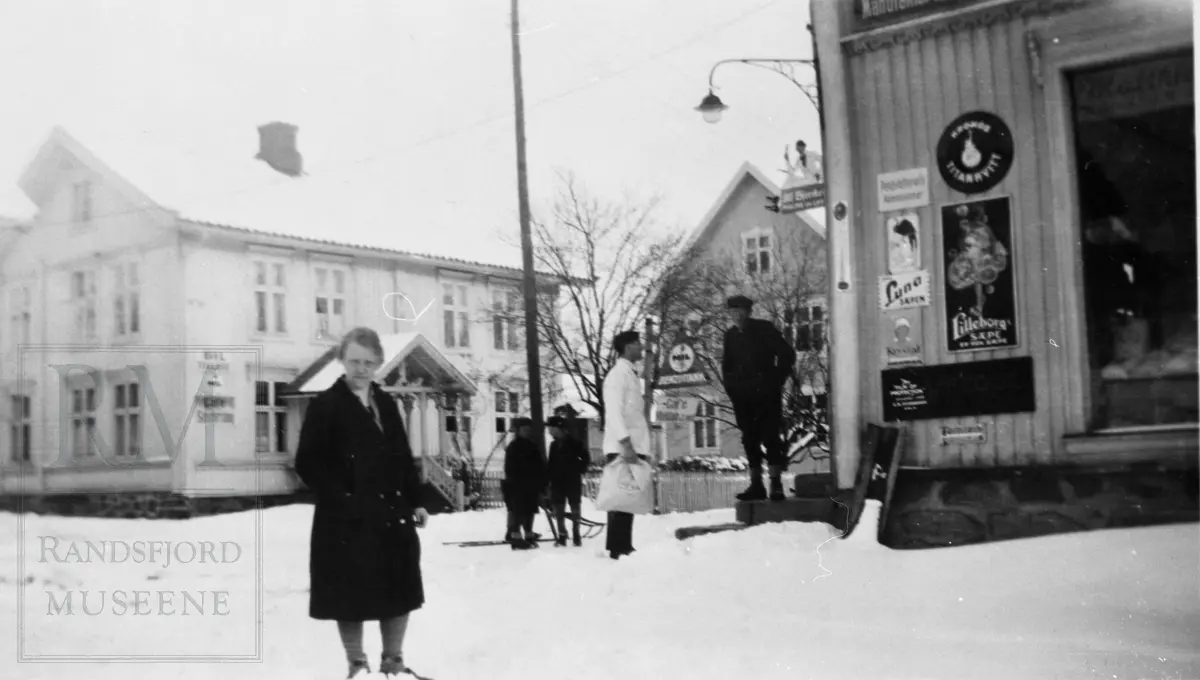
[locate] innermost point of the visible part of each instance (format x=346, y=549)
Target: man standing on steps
x=756, y=364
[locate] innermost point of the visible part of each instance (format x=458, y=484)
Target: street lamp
x=711, y=107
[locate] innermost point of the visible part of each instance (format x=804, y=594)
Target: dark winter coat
x=524, y=476
x=568, y=461
x=364, y=560
x=756, y=361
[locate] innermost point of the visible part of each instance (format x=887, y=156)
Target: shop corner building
x=1014, y=275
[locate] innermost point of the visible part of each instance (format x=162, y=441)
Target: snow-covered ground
x=778, y=601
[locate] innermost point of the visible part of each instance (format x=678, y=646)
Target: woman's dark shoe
x=392, y=664
x=560, y=542
x=577, y=541
x=358, y=666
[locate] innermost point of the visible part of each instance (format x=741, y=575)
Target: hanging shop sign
x=902, y=348
x=979, y=283
x=903, y=189
x=803, y=197
x=681, y=365
x=903, y=291
x=904, y=243
x=670, y=408
x=958, y=390
x=975, y=152
x=954, y=435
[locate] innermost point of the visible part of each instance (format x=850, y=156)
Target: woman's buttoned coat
x=365, y=555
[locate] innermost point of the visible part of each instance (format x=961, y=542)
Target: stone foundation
x=141, y=505
x=937, y=508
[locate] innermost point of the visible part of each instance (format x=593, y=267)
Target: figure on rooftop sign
x=277, y=147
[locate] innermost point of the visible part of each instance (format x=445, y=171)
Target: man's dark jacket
x=568, y=461
x=757, y=361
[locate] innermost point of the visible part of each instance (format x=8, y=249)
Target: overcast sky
x=413, y=100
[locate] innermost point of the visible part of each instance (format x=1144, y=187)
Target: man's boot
x=776, y=475
x=755, y=492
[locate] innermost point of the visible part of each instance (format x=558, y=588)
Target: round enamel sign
x=975, y=152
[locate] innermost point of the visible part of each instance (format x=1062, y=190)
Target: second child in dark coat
x=568, y=461
x=524, y=484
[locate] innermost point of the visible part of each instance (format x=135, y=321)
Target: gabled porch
x=424, y=382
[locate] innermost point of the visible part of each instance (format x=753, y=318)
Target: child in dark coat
x=524, y=484
x=568, y=461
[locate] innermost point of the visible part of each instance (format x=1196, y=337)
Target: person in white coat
x=626, y=432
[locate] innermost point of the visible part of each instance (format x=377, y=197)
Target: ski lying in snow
x=479, y=544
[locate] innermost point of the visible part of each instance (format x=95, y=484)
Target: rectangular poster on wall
x=979, y=281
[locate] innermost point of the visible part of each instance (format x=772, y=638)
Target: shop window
x=1136, y=149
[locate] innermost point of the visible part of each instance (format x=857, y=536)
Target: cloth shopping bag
x=626, y=487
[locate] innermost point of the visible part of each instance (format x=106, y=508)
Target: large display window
x=1135, y=147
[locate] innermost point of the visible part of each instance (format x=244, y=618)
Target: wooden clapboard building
x=1012, y=240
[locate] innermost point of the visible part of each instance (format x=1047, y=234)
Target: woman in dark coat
x=364, y=561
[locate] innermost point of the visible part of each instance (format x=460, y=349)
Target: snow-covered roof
x=396, y=348
x=216, y=181
x=815, y=218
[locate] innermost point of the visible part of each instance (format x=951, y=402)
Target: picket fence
x=674, y=491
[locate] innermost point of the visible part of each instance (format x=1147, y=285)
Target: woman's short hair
x=361, y=336
x=625, y=338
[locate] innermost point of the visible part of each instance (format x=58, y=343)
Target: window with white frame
x=757, y=251
x=81, y=202
x=459, y=423
x=508, y=406
x=270, y=418
x=83, y=301
x=270, y=297
x=455, y=315
x=126, y=299
x=127, y=420
x=83, y=422
x=330, y=285
x=20, y=427
x=19, y=315
x=506, y=319
x=705, y=428
x=808, y=328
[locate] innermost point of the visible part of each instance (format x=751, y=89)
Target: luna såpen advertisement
x=977, y=244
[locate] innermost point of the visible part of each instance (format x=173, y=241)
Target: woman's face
x=360, y=364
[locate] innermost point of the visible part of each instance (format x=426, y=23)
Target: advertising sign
x=903, y=189
x=681, y=365
x=979, y=285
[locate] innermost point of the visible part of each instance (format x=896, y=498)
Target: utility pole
x=532, y=360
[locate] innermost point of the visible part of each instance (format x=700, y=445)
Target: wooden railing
x=441, y=480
